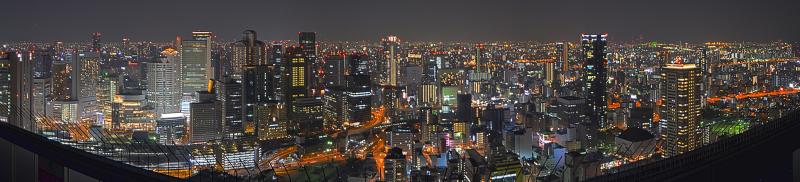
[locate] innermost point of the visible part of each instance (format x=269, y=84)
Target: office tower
x=171, y=128
x=271, y=121
x=16, y=96
x=96, y=47
x=43, y=63
x=402, y=137
x=428, y=95
x=130, y=112
x=394, y=166
x=305, y=111
x=65, y=111
x=258, y=86
x=571, y=110
x=306, y=115
x=594, y=57
x=680, y=114
x=358, y=64
x=431, y=67
x=299, y=74
x=562, y=49
x=195, y=61
x=107, y=89
x=87, y=69
x=62, y=81
x=428, y=125
x=359, y=98
x=248, y=51
x=549, y=73
x=277, y=60
x=205, y=123
x=335, y=103
x=41, y=97
x=391, y=56
x=308, y=48
x=163, y=90
x=229, y=92
x=334, y=70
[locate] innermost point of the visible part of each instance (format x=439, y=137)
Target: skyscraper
x=394, y=166
x=299, y=73
x=258, y=87
x=163, y=90
x=87, y=69
x=334, y=70
x=680, y=115
x=229, y=92
x=562, y=50
x=308, y=47
x=594, y=57
x=359, y=98
x=16, y=96
x=248, y=51
x=205, y=116
x=195, y=60
x=391, y=52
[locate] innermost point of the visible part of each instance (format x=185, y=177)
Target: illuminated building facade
x=205, y=123
x=163, y=90
x=195, y=61
x=248, y=51
x=680, y=115
x=595, y=62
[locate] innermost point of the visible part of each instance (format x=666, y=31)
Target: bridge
x=770, y=152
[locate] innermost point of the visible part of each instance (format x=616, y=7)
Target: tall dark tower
x=308, y=46
x=299, y=73
x=594, y=57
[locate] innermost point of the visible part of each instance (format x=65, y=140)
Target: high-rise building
x=130, y=112
x=680, y=114
x=41, y=97
x=206, y=114
x=163, y=90
x=171, y=128
x=595, y=62
x=277, y=60
x=394, y=166
x=229, y=92
x=195, y=61
x=107, y=89
x=299, y=74
x=16, y=96
x=391, y=52
x=86, y=70
x=248, y=51
x=258, y=87
x=358, y=64
x=62, y=81
x=334, y=70
x=359, y=99
x=308, y=48
x=562, y=49
x=271, y=121
x=306, y=115
x=571, y=110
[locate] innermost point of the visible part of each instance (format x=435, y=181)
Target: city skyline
x=414, y=20
x=410, y=91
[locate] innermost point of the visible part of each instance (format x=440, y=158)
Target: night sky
x=437, y=20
